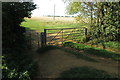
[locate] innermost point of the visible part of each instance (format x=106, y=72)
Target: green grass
x=93, y=50
x=77, y=36
x=115, y=45
x=85, y=72
x=109, y=44
x=40, y=24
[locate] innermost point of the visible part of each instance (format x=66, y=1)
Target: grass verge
x=93, y=50
x=114, y=45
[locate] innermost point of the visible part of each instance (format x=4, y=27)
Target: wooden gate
x=60, y=35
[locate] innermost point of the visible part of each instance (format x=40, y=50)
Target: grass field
x=41, y=23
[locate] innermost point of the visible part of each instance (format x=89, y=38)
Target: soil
x=54, y=62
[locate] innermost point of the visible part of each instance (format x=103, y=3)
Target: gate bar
x=60, y=28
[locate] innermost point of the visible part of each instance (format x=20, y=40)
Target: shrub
x=20, y=67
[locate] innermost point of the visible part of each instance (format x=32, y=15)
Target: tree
x=13, y=14
x=83, y=9
x=104, y=18
x=15, y=63
x=107, y=24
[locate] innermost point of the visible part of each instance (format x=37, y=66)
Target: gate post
x=45, y=37
x=42, y=39
x=38, y=39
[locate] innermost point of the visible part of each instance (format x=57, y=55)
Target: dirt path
x=52, y=63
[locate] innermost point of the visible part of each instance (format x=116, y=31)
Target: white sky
x=46, y=7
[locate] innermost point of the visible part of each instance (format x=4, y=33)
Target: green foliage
x=93, y=50
x=13, y=14
x=106, y=26
x=16, y=64
x=104, y=16
x=115, y=45
x=110, y=44
x=85, y=72
x=74, y=7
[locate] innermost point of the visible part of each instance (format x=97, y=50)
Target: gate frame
x=44, y=37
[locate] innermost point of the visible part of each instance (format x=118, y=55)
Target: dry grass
x=41, y=23
x=62, y=19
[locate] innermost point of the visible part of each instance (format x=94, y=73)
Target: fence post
x=45, y=38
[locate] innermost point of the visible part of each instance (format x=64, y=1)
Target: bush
x=115, y=45
x=16, y=63
x=20, y=67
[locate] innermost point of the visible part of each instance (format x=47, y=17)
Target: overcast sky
x=46, y=7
